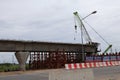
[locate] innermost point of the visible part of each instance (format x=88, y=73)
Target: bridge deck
x=34, y=46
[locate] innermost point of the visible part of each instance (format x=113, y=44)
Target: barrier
x=103, y=57
x=92, y=65
x=77, y=74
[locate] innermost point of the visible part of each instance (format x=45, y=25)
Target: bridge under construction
x=49, y=51
x=55, y=54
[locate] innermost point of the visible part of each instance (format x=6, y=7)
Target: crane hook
x=76, y=28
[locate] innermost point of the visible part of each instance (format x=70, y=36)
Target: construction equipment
x=109, y=45
x=108, y=48
x=82, y=27
x=84, y=32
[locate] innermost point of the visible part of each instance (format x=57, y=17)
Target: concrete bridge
x=22, y=49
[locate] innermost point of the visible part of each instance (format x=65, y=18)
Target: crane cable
x=96, y=32
x=93, y=30
x=75, y=28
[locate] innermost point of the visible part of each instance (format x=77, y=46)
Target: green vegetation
x=8, y=67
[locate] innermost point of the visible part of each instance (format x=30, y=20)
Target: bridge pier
x=22, y=58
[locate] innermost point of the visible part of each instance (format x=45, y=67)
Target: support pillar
x=22, y=58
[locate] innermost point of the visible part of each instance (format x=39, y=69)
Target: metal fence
x=103, y=57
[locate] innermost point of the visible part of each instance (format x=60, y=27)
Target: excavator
x=85, y=34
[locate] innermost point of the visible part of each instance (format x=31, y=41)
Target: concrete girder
x=37, y=46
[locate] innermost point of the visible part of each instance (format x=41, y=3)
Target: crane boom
x=106, y=50
x=85, y=33
x=82, y=27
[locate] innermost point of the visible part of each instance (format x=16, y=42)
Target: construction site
x=76, y=61
x=55, y=59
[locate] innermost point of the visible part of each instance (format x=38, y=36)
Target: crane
x=108, y=48
x=83, y=29
x=85, y=33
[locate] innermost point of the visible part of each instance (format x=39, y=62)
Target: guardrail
x=97, y=60
x=92, y=65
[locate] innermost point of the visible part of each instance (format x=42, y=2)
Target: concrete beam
x=34, y=46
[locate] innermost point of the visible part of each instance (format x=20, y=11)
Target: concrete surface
x=105, y=73
x=78, y=74
x=22, y=58
x=27, y=75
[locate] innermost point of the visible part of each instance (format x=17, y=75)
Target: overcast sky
x=53, y=20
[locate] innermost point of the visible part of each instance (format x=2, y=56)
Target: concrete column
x=22, y=58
